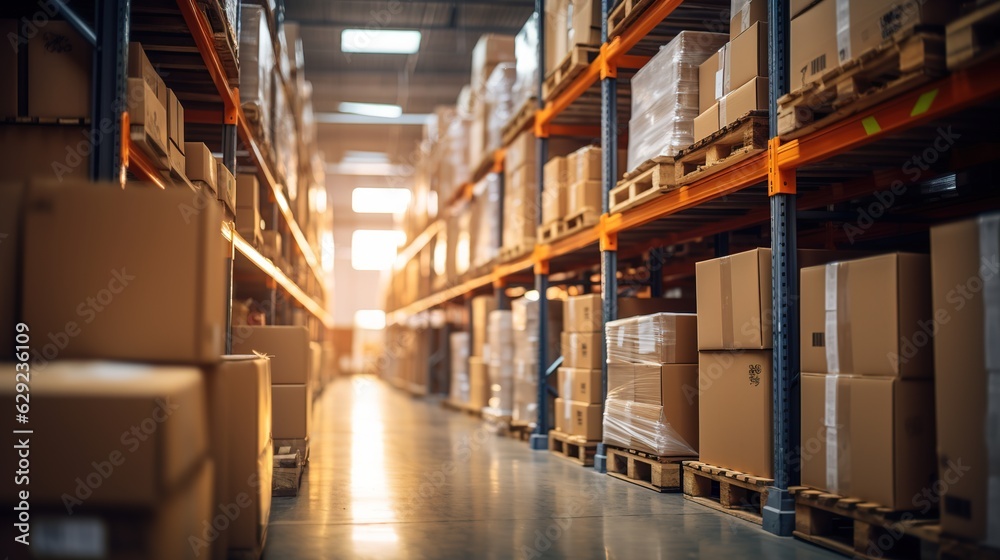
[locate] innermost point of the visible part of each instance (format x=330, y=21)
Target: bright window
x=379, y=200
x=381, y=41
x=374, y=249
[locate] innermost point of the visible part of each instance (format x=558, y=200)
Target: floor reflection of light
x=371, y=501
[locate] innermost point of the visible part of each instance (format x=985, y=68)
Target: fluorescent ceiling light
x=359, y=156
x=371, y=109
x=379, y=41
x=375, y=249
x=369, y=319
x=379, y=200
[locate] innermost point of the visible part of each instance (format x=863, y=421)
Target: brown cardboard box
x=156, y=294
x=964, y=267
x=748, y=57
x=60, y=64
x=481, y=308
x=43, y=150
x=148, y=121
x=816, y=389
x=247, y=191
x=736, y=384
x=585, y=420
x=239, y=391
x=492, y=49
x=796, y=7
x=869, y=316
x=175, y=122
x=660, y=338
x=621, y=381
x=248, y=222
x=556, y=33
x=583, y=350
x=287, y=346
x=144, y=424
x=706, y=123
x=749, y=13
x=226, y=186
x=674, y=387
x=11, y=196
x=563, y=413
x=555, y=172
x=734, y=301
x=585, y=23
x=479, y=382
x=554, y=203
x=581, y=385
x=711, y=80
x=751, y=96
x=582, y=313
x=140, y=67
x=292, y=411
x=200, y=165
x=584, y=165
x=583, y=195
x=633, y=306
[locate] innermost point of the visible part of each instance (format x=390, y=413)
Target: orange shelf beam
x=202, y=34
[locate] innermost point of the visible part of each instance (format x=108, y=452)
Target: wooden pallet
x=743, y=138
x=551, y=231
x=573, y=448
x=973, y=37
x=581, y=219
x=651, y=179
x=521, y=121
x=913, y=58
x=624, y=14
x=733, y=492
x=861, y=529
x=560, y=77
x=519, y=249
x=662, y=474
x=288, y=465
x=223, y=38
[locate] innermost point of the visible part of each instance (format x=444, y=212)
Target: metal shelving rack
x=111, y=160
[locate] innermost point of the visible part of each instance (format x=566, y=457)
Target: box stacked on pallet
x=568, y=24
x=966, y=301
x=486, y=223
x=479, y=380
x=256, y=67
x=500, y=365
x=493, y=75
x=525, y=324
x=652, y=401
x=582, y=343
x=867, y=361
x=526, y=59
x=458, y=349
x=733, y=81
x=665, y=97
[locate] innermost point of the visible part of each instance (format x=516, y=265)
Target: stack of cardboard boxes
x=578, y=408
x=458, y=350
x=524, y=320
x=568, y=24
x=479, y=378
x=652, y=401
x=493, y=76
x=867, y=393
x=248, y=220
x=572, y=185
x=500, y=364
x=733, y=81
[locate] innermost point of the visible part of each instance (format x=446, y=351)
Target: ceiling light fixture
x=380, y=110
x=379, y=41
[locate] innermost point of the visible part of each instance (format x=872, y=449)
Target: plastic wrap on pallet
x=642, y=427
x=256, y=63
x=526, y=56
x=459, y=352
x=296, y=56
x=525, y=391
x=500, y=102
x=500, y=334
x=665, y=96
x=659, y=338
x=486, y=221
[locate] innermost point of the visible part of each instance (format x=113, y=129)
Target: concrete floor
x=394, y=477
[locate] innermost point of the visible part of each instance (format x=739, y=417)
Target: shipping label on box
x=585, y=420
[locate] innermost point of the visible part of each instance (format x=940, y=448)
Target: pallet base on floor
x=287, y=473
x=738, y=494
x=662, y=474
x=573, y=448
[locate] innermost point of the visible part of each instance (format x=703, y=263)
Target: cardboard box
x=650, y=428
x=734, y=314
x=247, y=191
x=563, y=411
x=60, y=65
x=287, y=346
x=581, y=385
x=140, y=67
x=148, y=122
x=660, y=338
x=584, y=195
x=964, y=269
x=751, y=96
x=706, y=123
x=479, y=383
x=556, y=34
x=633, y=306
x=226, y=187
x=555, y=172
x=749, y=13
x=43, y=150
x=584, y=17
x=748, y=56
x=154, y=293
x=554, y=203
x=674, y=387
x=583, y=313
x=248, y=222
x=869, y=316
x=175, y=122
x=200, y=166
x=146, y=424
x=585, y=164
x=292, y=411
x=239, y=390
x=621, y=381
x=736, y=384
x=817, y=47
x=585, y=420
x=492, y=49
x=712, y=82
x=880, y=430
x=583, y=350
x=481, y=308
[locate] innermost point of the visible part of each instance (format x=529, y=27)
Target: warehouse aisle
x=393, y=477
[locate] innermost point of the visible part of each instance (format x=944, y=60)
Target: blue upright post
x=540, y=439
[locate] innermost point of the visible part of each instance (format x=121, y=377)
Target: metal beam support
x=76, y=21
x=540, y=439
x=654, y=265
x=609, y=259
x=111, y=19
x=779, y=512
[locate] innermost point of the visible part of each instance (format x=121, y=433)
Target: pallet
x=223, y=38
x=287, y=476
x=521, y=248
x=661, y=474
x=861, y=529
x=973, y=37
x=745, y=137
x=913, y=58
x=625, y=14
x=551, y=231
x=651, y=179
x=581, y=219
x=521, y=121
x=578, y=59
x=521, y=431
x=738, y=494
x=573, y=448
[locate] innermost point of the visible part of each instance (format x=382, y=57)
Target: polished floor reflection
x=394, y=477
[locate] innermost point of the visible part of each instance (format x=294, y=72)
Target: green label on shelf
x=924, y=102
x=871, y=125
